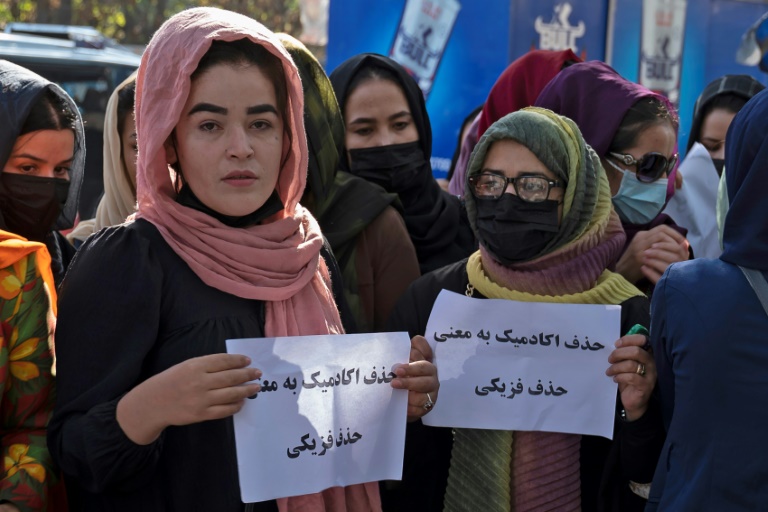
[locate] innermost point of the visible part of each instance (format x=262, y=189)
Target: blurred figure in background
x=464, y=132
x=694, y=204
x=41, y=154
x=120, y=151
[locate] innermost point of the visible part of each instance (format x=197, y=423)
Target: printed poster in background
x=425, y=27
x=559, y=25
x=661, y=47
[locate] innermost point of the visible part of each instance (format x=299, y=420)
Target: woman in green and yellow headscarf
x=539, y=203
x=366, y=233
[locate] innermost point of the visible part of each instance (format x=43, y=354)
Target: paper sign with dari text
x=509, y=365
x=326, y=414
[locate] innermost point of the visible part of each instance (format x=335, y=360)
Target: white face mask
x=637, y=202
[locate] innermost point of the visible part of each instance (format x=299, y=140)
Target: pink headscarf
x=277, y=261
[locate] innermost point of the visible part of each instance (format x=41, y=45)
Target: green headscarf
x=342, y=204
x=557, y=143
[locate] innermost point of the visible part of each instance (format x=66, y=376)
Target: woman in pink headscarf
x=220, y=249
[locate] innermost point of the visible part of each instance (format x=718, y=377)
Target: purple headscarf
x=597, y=98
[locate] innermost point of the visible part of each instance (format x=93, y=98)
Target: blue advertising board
x=486, y=37
x=475, y=55
x=557, y=25
x=713, y=30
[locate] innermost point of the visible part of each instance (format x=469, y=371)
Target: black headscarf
x=21, y=89
x=744, y=86
x=435, y=219
x=745, y=236
x=343, y=204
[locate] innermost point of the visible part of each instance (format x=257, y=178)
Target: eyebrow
x=215, y=109
x=529, y=174
x=368, y=120
x=38, y=159
x=400, y=114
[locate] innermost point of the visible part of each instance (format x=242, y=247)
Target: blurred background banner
x=486, y=36
x=672, y=46
x=713, y=33
x=661, y=49
x=422, y=36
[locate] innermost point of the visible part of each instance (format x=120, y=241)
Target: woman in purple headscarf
x=634, y=130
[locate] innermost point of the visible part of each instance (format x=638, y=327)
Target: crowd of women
x=249, y=194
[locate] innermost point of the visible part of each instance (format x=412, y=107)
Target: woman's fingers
x=227, y=378
x=420, y=349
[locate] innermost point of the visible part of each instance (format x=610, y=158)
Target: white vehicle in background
x=88, y=66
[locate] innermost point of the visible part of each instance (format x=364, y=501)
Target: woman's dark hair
x=125, y=101
x=246, y=52
x=645, y=113
x=732, y=102
x=50, y=112
x=370, y=71
x=457, y=152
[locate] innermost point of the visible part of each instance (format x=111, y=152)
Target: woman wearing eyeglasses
x=540, y=206
x=634, y=131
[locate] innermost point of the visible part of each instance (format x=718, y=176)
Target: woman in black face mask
x=389, y=143
x=715, y=108
x=540, y=205
x=42, y=156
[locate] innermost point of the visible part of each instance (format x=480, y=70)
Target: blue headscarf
x=745, y=235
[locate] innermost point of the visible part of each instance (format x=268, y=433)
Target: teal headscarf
x=558, y=144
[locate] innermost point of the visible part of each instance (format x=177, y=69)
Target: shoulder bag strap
x=758, y=283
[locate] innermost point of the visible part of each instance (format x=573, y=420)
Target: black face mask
x=396, y=168
x=30, y=205
x=514, y=230
x=272, y=205
x=719, y=165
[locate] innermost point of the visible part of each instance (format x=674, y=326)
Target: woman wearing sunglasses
x=539, y=204
x=634, y=131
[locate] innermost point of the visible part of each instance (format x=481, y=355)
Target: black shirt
x=129, y=309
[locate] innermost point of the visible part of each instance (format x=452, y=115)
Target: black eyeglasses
x=532, y=189
x=650, y=166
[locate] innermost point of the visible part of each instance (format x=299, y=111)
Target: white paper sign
x=509, y=365
x=694, y=206
x=326, y=415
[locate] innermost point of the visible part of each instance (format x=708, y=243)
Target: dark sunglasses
x=650, y=167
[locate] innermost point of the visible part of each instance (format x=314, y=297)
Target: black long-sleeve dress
x=129, y=309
